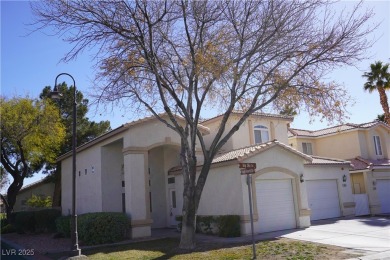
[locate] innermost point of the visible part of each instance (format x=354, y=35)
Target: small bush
x=204, y=224
x=39, y=201
x=102, y=227
x=45, y=220
x=63, y=225
x=7, y=229
x=3, y=222
x=25, y=222
x=228, y=226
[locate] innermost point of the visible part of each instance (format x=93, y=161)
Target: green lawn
x=167, y=249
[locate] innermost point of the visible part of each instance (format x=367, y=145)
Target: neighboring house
x=135, y=169
x=42, y=188
x=367, y=146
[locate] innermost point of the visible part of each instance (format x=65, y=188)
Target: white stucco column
x=137, y=193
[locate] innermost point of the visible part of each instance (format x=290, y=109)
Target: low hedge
x=97, y=228
x=35, y=221
x=229, y=226
x=8, y=228
x=24, y=222
x=45, y=220
x=63, y=225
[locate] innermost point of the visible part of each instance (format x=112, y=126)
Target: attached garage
x=275, y=205
x=323, y=198
x=383, y=189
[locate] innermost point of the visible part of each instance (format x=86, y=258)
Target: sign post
x=248, y=169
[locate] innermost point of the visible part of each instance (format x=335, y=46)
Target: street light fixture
x=55, y=94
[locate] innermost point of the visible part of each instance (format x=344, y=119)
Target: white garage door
x=323, y=199
x=383, y=189
x=275, y=205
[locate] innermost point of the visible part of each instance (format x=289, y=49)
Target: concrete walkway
x=369, y=236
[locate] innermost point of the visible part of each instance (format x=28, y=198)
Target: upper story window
x=307, y=149
x=377, y=144
x=261, y=134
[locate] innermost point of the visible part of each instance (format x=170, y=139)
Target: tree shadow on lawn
x=165, y=248
x=378, y=221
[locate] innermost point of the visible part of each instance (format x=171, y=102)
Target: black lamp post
x=55, y=94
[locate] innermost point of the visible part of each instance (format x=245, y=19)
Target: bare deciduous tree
x=182, y=57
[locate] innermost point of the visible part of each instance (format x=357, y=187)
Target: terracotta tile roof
x=268, y=115
x=360, y=163
x=317, y=160
x=245, y=152
x=334, y=129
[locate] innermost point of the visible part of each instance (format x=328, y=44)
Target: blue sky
x=30, y=61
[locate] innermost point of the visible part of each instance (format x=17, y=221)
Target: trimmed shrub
x=205, y=224
x=7, y=229
x=228, y=226
x=179, y=218
x=25, y=222
x=102, y=227
x=45, y=220
x=3, y=222
x=63, y=225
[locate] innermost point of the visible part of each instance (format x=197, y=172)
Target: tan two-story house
x=367, y=146
x=135, y=169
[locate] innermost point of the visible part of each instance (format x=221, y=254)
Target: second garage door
x=383, y=189
x=323, y=198
x=275, y=205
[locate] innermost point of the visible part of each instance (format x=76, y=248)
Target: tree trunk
x=191, y=199
x=188, y=162
x=187, y=238
x=384, y=103
x=12, y=192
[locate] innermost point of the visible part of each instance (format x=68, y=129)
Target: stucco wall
x=332, y=172
x=222, y=194
x=148, y=134
x=213, y=126
x=112, y=161
x=158, y=187
x=277, y=129
x=89, y=181
x=343, y=145
x=297, y=144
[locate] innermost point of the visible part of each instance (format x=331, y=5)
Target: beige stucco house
x=367, y=146
x=134, y=169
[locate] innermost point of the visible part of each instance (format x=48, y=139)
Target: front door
x=172, y=207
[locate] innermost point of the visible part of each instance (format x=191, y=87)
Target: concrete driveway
x=369, y=235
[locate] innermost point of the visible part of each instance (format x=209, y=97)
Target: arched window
x=261, y=134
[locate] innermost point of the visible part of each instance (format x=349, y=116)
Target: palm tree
x=379, y=79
